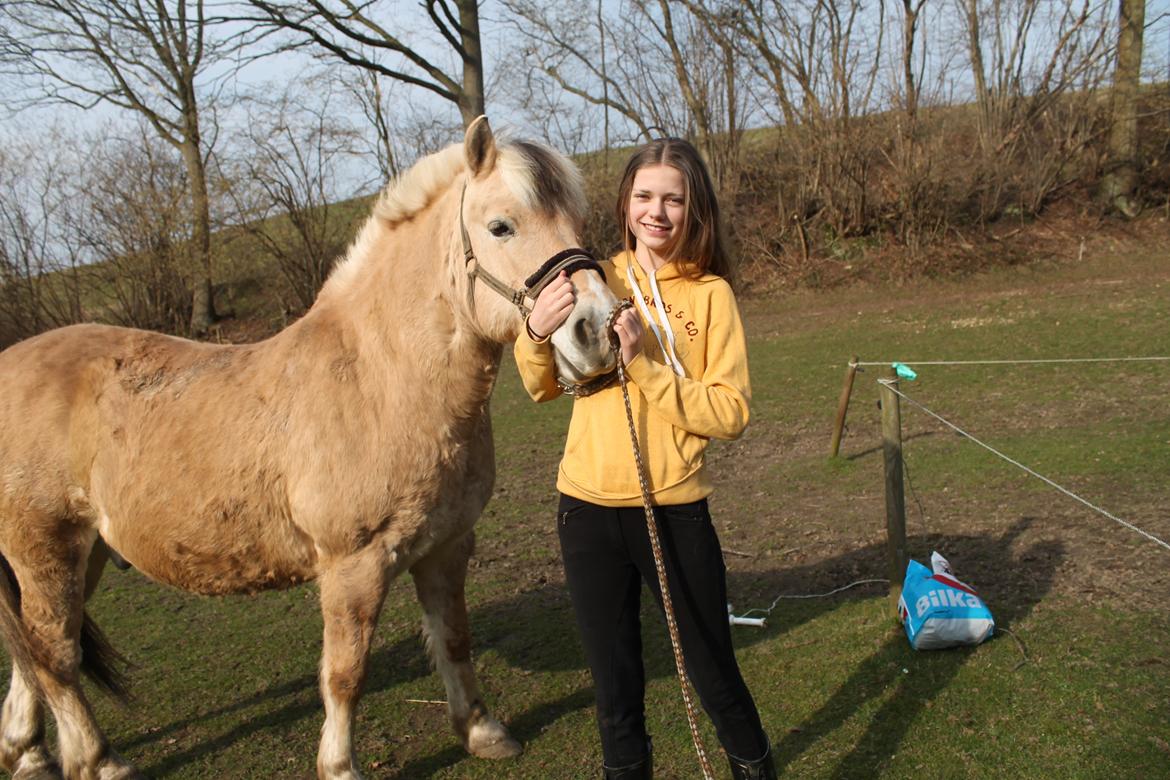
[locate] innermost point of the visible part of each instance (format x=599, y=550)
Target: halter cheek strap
x=569, y=260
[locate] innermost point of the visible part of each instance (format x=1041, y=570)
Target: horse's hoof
x=124, y=772
x=488, y=739
x=36, y=765
x=39, y=773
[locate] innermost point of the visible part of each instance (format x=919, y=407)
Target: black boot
x=760, y=769
x=639, y=770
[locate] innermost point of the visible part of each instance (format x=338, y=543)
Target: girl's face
x=657, y=209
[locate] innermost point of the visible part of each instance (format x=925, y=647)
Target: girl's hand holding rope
x=628, y=327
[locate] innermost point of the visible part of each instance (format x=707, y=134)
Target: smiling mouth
x=662, y=228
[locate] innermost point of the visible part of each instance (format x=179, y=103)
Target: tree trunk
x=909, y=30
x=1121, y=177
x=975, y=50
x=202, y=300
x=471, y=100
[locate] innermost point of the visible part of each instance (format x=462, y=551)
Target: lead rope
x=652, y=529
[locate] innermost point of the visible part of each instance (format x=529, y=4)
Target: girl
x=688, y=383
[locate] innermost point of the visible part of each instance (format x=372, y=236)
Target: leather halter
x=524, y=298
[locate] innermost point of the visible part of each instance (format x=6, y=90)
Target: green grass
x=226, y=688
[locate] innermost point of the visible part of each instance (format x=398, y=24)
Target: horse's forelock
x=543, y=179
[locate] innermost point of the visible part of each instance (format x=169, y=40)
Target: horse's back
x=51, y=382
x=45, y=381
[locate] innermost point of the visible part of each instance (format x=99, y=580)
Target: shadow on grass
x=534, y=631
x=525, y=727
x=1011, y=584
x=875, y=450
x=280, y=706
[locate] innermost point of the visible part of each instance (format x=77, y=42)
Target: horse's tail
x=100, y=662
x=12, y=627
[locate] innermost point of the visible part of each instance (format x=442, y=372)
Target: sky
x=278, y=70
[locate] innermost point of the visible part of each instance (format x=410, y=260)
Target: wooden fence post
x=843, y=407
x=895, y=495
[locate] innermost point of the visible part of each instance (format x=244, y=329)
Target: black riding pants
x=607, y=557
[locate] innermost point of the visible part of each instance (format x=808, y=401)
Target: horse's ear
x=479, y=147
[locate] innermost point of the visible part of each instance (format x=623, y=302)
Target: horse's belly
x=213, y=558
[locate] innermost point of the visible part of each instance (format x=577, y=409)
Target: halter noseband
x=569, y=260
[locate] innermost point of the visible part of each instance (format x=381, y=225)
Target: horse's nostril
x=583, y=331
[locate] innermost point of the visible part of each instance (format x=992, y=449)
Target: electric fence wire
x=960, y=431
x=1010, y=362
x=783, y=596
x=891, y=385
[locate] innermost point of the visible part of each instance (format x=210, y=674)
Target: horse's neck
x=396, y=299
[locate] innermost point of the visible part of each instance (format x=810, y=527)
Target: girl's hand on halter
x=628, y=327
x=552, y=307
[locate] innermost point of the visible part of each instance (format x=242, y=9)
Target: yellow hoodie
x=675, y=416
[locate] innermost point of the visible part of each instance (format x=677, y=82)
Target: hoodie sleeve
x=534, y=359
x=714, y=404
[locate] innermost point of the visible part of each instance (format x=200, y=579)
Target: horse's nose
x=584, y=333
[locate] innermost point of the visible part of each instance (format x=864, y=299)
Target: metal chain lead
x=655, y=546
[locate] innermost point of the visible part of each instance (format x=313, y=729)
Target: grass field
x=226, y=688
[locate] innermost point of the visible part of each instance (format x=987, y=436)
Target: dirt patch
x=1008, y=539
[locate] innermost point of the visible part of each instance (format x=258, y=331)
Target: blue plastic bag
x=937, y=610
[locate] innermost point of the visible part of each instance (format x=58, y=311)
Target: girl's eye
x=500, y=229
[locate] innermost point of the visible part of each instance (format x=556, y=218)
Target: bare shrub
x=1036, y=105
x=129, y=213
x=42, y=282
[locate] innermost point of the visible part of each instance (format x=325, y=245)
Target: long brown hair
x=699, y=248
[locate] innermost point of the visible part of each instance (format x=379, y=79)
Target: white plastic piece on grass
x=744, y=621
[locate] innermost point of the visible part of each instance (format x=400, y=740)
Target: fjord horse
x=349, y=448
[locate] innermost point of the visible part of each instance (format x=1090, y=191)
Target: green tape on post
x=904, y=371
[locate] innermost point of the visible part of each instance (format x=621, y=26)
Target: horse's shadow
x=1012, y=583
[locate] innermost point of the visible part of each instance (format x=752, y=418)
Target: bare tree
x=818, y=62
x=1120, y=180
x=704, y=64
x=366, y=89
x=149, y=59
x=911, y=9
x=1035, y=68
x=373, y=36
x=1016, y=79
x=41, y=278
x=285, y=182
x=654, y=63
x=396, y=131
x=562, y=41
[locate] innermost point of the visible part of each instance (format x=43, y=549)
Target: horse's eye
x=500, y=229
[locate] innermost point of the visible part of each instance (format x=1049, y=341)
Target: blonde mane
x=542, y=179
x=414, y=190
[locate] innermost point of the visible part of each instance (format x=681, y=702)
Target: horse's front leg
x=352, y=592
x=439, y=580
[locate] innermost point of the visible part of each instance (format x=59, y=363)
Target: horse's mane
x=414, y=190
x=542, y=179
